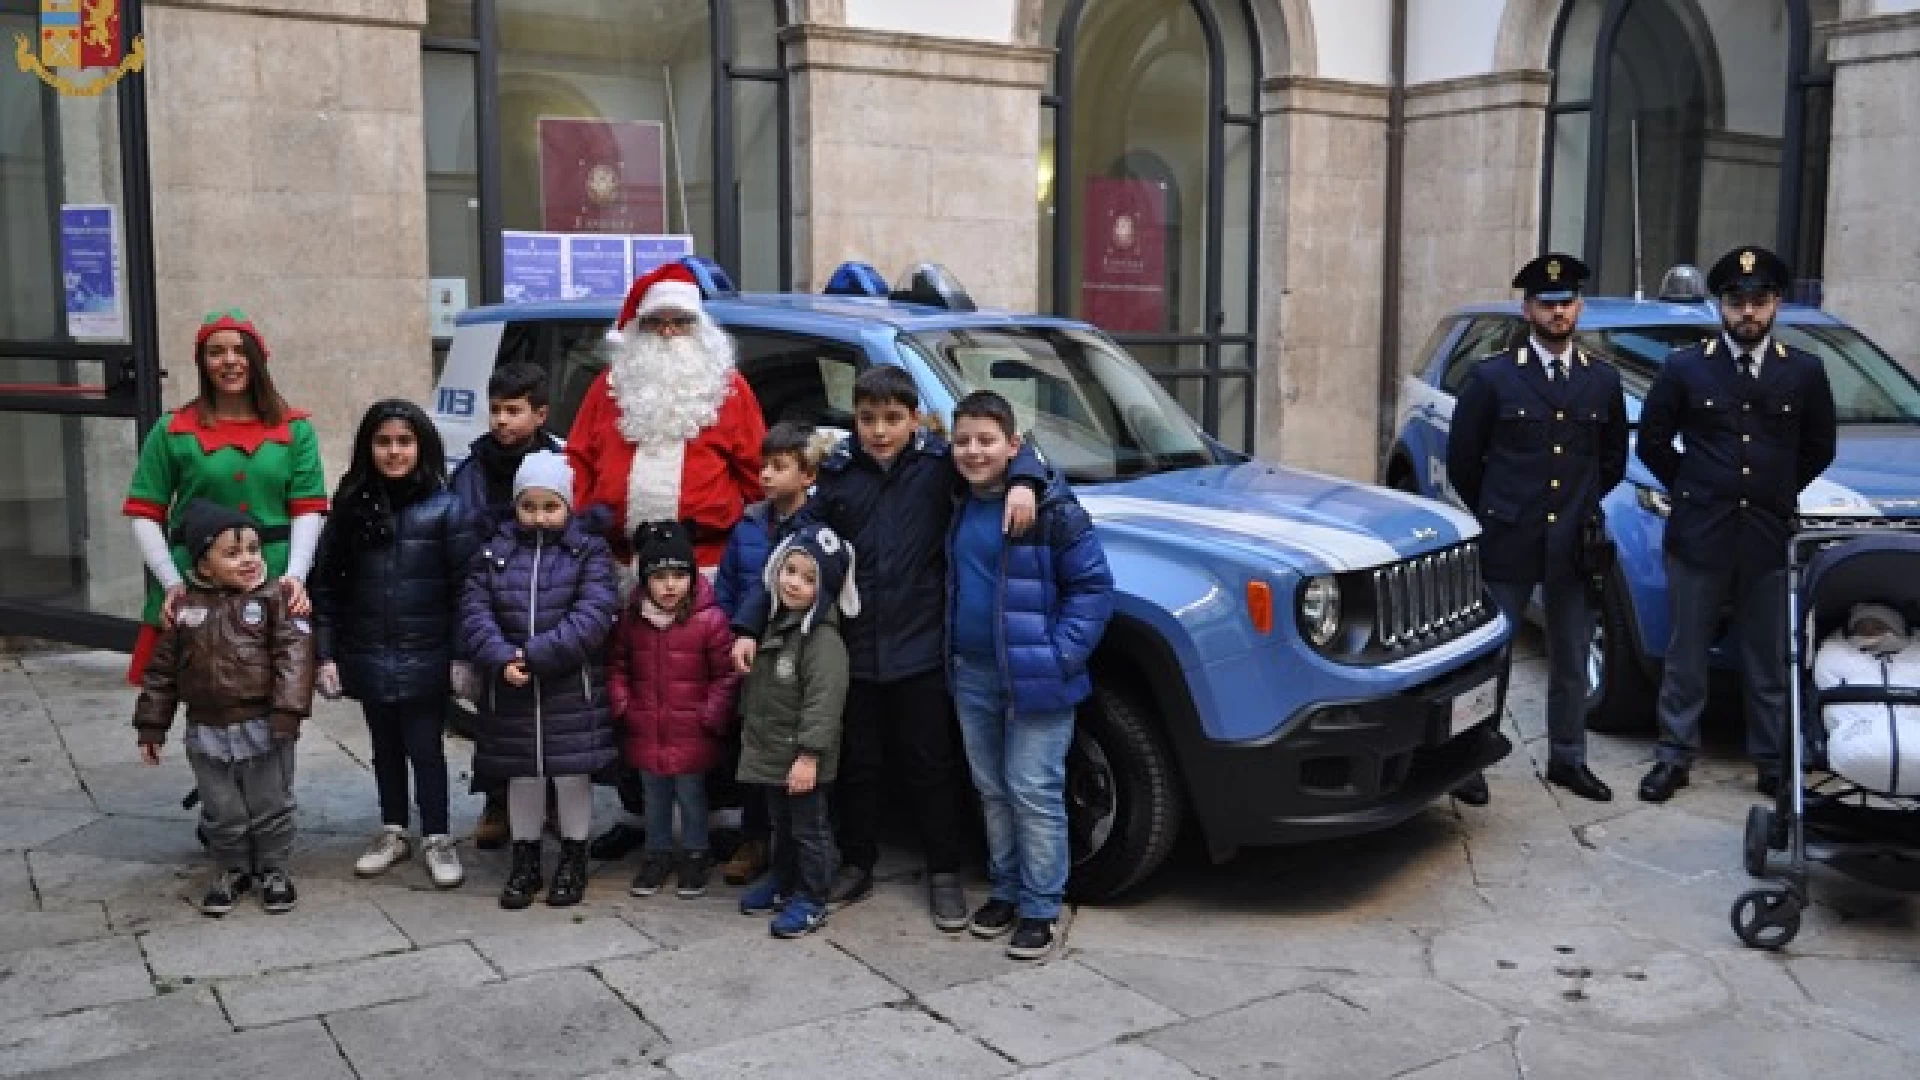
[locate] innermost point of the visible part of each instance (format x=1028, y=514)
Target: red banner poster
x=1123, y=278
x=602, y=176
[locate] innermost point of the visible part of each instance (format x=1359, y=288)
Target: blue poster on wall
x=597, y=266
x=534, y=267
x=90, y=271
x=650, y=252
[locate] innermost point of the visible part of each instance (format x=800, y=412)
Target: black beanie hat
x=662, y=545
x=203, y=521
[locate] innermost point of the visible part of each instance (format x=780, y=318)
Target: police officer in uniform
x=1756, y=423
x=1539, y=434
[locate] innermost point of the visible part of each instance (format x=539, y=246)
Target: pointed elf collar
x=245, y=435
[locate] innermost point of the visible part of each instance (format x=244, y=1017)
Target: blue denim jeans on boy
x=1019, y=765
x=663, y=794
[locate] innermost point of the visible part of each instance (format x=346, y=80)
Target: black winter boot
x=570, y=877
x=523, y=881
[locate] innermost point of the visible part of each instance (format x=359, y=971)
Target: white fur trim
x=653, y=483
x=669, y=296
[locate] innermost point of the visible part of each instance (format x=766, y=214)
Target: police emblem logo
x=253, y=614
x=1747, y=261
x=1553, y=270
x=783, y=667
x=191, y=617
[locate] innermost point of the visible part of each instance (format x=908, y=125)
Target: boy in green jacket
x=790, y=735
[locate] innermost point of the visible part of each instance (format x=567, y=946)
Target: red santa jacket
x=718, y=472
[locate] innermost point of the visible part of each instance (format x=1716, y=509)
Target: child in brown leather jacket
x=244, y=667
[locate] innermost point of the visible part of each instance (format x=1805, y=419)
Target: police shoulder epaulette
x=1520, y=355
x=1710, y=344
x=1780, y=349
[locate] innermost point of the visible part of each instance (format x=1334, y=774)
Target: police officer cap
x=1553, y=276
x=1749, y=270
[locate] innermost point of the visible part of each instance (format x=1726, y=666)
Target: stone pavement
x=1540, y=937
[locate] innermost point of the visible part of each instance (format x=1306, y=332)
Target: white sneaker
x=443, y=864
x=389, y=847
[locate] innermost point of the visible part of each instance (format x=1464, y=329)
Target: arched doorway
x=1150, y=150
x=1680, y=128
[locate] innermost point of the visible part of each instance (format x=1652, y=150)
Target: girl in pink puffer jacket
x=670, y=686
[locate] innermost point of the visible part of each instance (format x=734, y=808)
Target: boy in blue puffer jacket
x=1024, y=616
x=889, y=491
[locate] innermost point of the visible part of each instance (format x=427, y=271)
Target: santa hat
x=669, y=287
x=834, y=567
x=229, y=319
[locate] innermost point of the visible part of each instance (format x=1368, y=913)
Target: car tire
x=1622, y=702
x=1123, y=797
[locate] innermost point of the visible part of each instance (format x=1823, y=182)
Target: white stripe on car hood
x=1339, y=549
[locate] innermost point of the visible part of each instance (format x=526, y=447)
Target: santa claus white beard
x=669, y=388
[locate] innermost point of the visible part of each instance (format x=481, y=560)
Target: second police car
x=1292, y=656
x=1876, y=473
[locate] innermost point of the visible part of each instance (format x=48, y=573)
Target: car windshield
x=1091, y=409
x=1868, y=388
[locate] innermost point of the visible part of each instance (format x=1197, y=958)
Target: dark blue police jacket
x=1532, y=457
x=1751, y=445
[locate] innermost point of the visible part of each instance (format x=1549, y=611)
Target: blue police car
x=1876, y=473
x=1292, y=656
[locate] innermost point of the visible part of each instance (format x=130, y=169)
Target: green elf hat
x=230, y=319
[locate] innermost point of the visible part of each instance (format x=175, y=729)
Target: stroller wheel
x=1759, y=838
x=1766, y=918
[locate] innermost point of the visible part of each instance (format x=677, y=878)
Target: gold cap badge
x=1747, y=259
x=1553, y=269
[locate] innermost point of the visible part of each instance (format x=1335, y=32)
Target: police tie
x=1556, y=368
x=1746, y=364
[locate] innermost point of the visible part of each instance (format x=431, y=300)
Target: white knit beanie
x=548, y=471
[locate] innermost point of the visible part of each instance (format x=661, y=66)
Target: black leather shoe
x=1767, y=782
x=1662, y=781
x=616, y=843
x=1578, y=779
x=1473, y=791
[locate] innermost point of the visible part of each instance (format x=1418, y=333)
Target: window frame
x=1057, y=108
x=484, y=47
x=1801, y=83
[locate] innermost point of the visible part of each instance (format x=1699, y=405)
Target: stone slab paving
x=1542, y=936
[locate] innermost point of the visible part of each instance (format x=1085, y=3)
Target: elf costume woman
x=237, y=444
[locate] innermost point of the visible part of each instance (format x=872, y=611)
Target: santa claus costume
x=670, y=431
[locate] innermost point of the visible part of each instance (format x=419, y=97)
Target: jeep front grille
x=1428, y=599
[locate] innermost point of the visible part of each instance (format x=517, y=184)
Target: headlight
x=1320, y=610
x=1653, y=500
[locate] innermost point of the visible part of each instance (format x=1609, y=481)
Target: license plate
x=1475, y=705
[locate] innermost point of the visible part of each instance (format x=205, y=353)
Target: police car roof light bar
x=1683, y=284
x=710, y=276
x=856, y=279
x=934, y=286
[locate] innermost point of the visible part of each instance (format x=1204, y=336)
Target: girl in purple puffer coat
x=538, y=606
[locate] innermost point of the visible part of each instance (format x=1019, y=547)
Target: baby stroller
x=1827, y=817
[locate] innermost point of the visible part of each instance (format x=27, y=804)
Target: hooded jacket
x=552, y=595
x=671, y=690
x=792, y=699
x=230, y=657
x=1054, y=599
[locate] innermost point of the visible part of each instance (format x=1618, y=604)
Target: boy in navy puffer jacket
x=1024, y=617
x=889, y=491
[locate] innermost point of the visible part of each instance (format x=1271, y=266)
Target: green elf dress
x=272, y=473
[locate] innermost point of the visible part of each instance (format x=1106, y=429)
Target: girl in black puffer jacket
x=392, y=560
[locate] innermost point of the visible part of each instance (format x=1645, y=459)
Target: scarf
x=499, y=464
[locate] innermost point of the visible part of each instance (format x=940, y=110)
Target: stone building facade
x=345, y=169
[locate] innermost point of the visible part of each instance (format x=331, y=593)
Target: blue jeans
x=1019, y=766
x=663, y=793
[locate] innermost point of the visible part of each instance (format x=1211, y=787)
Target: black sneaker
x=995, y=917
x=850, y=886
x=1032, y=939
x=947, y=902
x=655, y=866
x=693, y=874
x=277, y=894
x=617, y=843
x=227, y=887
